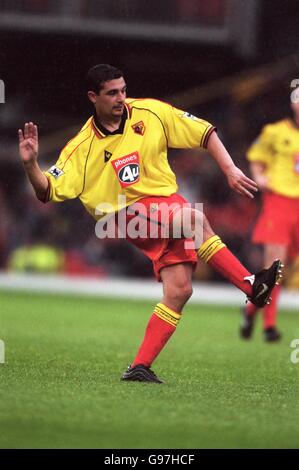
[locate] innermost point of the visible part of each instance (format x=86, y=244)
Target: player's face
x=110, y=101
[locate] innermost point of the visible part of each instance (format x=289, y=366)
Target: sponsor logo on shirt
x=127, y=169
x=296, y=163
x=55, y=171
x=139, y=128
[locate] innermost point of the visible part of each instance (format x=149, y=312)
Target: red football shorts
x=278, y=222
x=152, y=219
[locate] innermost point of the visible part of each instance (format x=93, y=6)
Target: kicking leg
x=213, y=251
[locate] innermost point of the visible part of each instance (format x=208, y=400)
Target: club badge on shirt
x=139, y=128
x=127, y=169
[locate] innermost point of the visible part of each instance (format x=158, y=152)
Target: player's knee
x=179, y=293
x=187, y=291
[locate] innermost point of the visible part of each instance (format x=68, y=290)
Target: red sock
x=251, y=309
x=160, y=327
x=270, y=311
x=230, y=267
x=214, y=252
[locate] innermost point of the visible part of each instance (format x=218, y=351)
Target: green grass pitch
x=60, y=385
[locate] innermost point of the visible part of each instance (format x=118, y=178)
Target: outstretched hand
x=240, y=183
x=28, y=143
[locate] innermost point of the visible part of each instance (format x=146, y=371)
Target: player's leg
x=274, y=229
x=249, y=312
x=270, y=311
x=177, y=285
x=173, y=265
x=177, y=289
x=214, y=252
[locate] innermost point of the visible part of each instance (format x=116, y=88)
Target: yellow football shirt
x=277, y=148
x=99, y=168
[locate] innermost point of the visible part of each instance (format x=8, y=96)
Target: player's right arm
x=28, y=149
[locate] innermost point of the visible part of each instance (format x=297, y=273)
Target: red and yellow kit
x=98, y=167
x=278, y=149
x=278, y=222
x=163, y=251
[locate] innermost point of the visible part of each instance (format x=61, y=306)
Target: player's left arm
x=183, y=130
x=235, y=177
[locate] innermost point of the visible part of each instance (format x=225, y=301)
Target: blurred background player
x=274, y=165
x=122, y=150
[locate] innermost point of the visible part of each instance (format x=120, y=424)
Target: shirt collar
x=105, y=131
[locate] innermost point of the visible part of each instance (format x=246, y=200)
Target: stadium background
x=228, y=61
x=236, y=74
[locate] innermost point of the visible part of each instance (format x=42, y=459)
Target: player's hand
x=240, y=183
x=28, y=143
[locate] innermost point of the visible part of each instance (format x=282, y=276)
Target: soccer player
x=122, y=150
x=274, y=164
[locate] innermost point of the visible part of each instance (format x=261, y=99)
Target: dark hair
x=99, y=74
